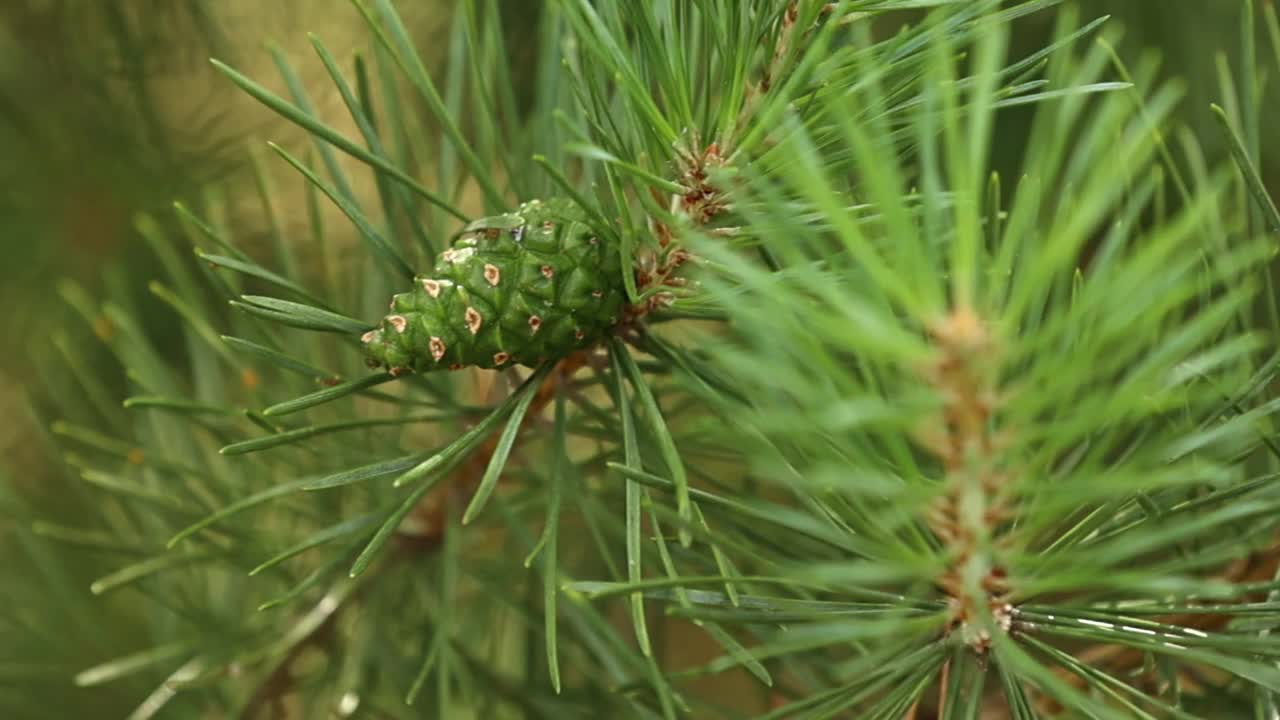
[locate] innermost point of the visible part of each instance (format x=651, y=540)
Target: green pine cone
x=521, y=288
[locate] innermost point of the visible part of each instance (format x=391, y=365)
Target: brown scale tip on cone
x=382, y=350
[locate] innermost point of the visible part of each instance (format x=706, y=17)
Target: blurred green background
x=109, y=109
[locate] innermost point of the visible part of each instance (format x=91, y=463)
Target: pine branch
x=891, y=436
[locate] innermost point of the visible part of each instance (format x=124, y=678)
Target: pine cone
x=523, y=288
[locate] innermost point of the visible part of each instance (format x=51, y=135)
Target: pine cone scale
x=520, y=288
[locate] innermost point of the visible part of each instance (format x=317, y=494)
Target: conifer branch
x=971, y=508
x=429, y=517
x=950, y=447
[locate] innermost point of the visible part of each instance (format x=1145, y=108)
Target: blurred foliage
x=110, y=109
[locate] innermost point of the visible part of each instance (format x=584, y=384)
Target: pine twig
x=774, y=68
x=430, y=513
x=271, y=692
x=968, y=449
